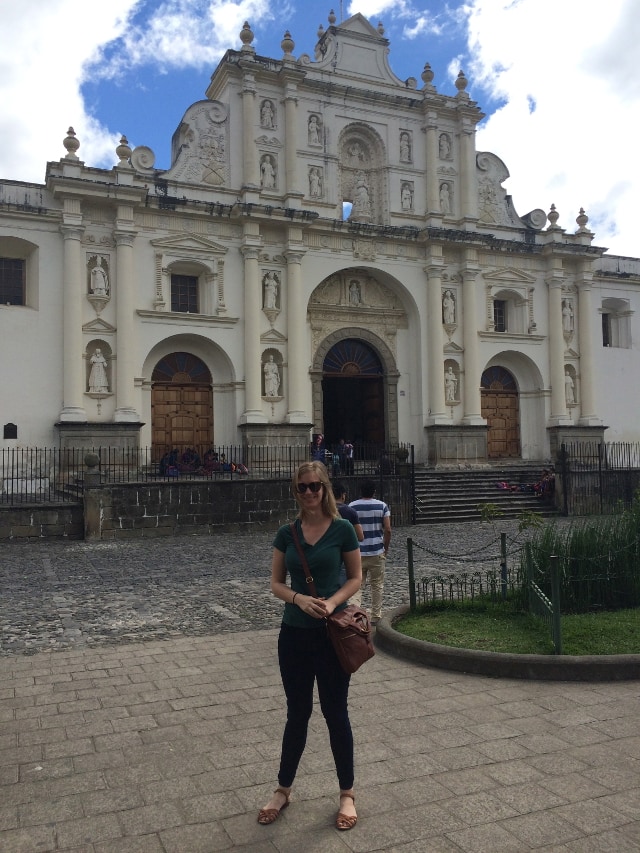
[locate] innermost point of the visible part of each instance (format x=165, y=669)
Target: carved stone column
x=252, y=302
x=291, y=140
x=588, y=415
x=125, y=307
x=298, y=359
x=431, y=146
x=472, y=365
x=438, y=412
x=250, y=177
x=468, y=178
x=555, y=277
x=74, y=380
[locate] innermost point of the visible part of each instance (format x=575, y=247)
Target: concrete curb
x=498, y=665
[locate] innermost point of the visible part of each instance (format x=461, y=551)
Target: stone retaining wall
x=136, y=510
x=41, y=521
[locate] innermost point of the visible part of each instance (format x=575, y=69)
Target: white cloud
x=44, y=47
x=48, y=50
x=182, y=34
x=566, y=97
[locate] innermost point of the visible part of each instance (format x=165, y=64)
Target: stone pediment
x=98, y=327
x=272, y=337
x=355, y=48
x=452, y=348
x=189, y=244
x=509, y=275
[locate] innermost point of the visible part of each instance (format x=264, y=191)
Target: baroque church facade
x=328, y=253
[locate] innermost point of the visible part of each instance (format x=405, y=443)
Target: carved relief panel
x=200, y=145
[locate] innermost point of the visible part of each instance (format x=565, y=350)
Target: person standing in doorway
x=375, y=517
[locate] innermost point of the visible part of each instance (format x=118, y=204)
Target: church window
x=184, y=294
x=616, y=327
x=12, y=281
x=500, y=315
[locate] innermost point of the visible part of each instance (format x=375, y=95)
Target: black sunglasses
x=313, y=487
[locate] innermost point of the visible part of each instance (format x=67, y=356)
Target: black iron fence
x=598, y=478
x=53, y=475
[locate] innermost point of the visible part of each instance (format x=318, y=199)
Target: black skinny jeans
x=306, y=654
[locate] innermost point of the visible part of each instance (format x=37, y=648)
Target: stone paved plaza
x=141, y=710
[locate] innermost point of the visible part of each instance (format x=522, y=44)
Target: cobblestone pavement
x=155, y=728
x=58, y=595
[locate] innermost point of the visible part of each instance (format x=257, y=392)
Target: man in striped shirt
x=375, y=518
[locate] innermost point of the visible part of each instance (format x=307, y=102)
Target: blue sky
x=557, y=79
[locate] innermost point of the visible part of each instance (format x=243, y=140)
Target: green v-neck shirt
x=324, y=560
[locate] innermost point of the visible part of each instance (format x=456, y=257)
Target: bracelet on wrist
x=293, y=600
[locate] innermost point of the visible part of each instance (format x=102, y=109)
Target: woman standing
x=305, y=653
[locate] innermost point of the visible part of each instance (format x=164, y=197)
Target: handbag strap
x=303, y=560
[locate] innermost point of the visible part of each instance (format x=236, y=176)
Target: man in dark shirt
x=340, y=494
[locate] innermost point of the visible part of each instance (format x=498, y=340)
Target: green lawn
x=500, y=627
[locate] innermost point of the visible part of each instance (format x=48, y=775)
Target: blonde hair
x=329, y=507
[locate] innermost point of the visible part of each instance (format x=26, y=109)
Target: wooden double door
x=181, y=405
x=501, y=408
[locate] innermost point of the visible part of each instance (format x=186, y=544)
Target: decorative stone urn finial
x=246, y=37
x=553, y=216
x=320, y=32
x=461, y=85
x=582, y=220
x=332, y=17
x=71, y=144
x=380, y=28
x=427, y=76
x=123, y=151
x=287, y=44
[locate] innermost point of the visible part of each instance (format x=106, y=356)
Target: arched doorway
x=353, y=394
x=181, y=404
x=500, y=407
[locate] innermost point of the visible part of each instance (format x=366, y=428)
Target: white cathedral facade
x=328, y=253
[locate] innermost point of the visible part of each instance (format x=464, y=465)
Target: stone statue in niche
x=448, y=308
x=361, y=204
x=267, y=115
x=271, y=378
x=99, y=277
x=405, y=147
x=315, y=182
x=355, y=294
x=406, y=196
x=450, y=385
x=98, y=382
x=445, y=198
x=569, y=389
x=313, y=130
x=271, y=286
x=567, y=316
x=267, y=172
x=444, y=146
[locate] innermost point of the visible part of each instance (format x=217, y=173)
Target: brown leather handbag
x=349, y=629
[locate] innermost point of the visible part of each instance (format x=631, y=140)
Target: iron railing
x=53, y=475
x=598, y=478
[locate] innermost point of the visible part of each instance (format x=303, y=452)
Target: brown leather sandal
x=267, y=816
x=346, y=821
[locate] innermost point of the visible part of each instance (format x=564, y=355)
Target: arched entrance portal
x=353, y=394
x=500, y=407
x=181, y=404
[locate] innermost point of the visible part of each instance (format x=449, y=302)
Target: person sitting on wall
x=211, y=463
x=190, y=461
